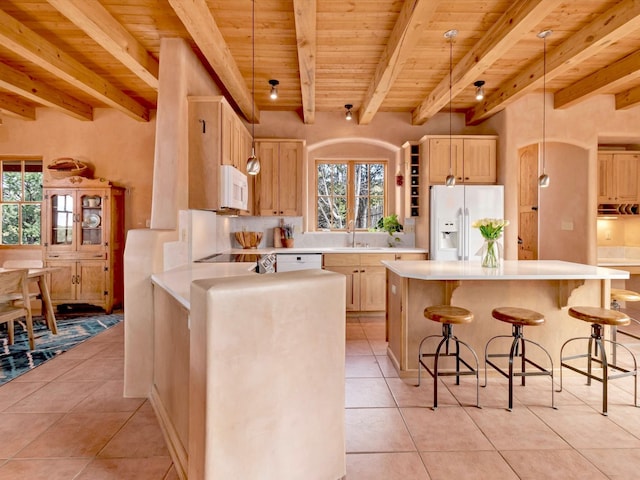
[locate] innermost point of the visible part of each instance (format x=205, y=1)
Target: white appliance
x=290, y=262
x=453, y=210
x=234, y=188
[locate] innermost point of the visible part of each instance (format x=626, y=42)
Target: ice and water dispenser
x=447, y=234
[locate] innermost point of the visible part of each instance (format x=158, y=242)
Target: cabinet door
x=626, y=169
x=479, y=161
x=91, y=280
x=93, y=221
x=373, y=289
x=439, y=152
x=60, y=220
x=605, y=178
x=352, y=286
x=62, y=280
x=267, y=179
x=227, y=138
x=290, y=179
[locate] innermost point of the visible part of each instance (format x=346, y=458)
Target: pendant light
x=253, y=164
x=450, y=35
x=274, y=89
x=543, y=180
x=348, y=115
x=479, y=84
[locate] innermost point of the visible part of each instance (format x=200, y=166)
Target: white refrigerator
x=453, y=210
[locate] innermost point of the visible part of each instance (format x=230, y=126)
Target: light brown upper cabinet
x=473, y=158
x=217, y=137
x=618, y=177
x=279, y=183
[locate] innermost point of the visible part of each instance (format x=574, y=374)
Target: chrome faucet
x=352, y=229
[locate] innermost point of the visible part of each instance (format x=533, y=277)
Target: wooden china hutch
x=83, y=225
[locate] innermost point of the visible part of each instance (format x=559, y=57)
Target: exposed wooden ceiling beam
x=92, y=18
x=407, y=31
x=39, y=92
x=522, y=16
x=28, y=44
x=17, y=108
x=199, y=22
x=627, y=99
x=604, y=80
x=609, y=27
x=305, y=18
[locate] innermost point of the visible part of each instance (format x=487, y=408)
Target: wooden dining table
x=39, y=275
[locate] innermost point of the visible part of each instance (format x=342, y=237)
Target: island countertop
x=508, y=270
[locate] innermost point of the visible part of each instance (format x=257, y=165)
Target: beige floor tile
x=516, y=430
x=108, y=398
x=50, y=370
x=86, y=349
x=375, y=331
x=592, y=394
x=408, y=394
x=551, y=464
x=354, y=331
x=627, y=417
x=76, y=435
x=358, y=347
x=13, y=392
x=376, y=430
x=141, y=436
x=583, y=427
x=43, y=469
x=367, y=392
x=97, y=369
x=55, y=397
x=386, y=366
x=486, y=465
x=379, y=347
x=152, y=468
x=615, y=463
x=115, y=350
x=445, y=429
x=361, y=366
x=19, y=429
x=385, y=466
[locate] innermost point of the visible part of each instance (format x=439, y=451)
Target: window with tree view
x=21, y=201
x=349, y=191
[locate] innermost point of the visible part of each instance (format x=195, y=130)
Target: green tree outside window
x=21, y=202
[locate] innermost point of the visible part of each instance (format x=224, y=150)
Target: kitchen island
x=546, y=286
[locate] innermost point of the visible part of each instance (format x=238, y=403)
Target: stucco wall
x=119, y=148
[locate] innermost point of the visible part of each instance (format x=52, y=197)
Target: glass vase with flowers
x=491, y=230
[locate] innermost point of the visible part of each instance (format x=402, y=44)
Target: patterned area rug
x=17, y=359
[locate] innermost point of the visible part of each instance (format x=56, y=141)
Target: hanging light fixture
x=348, y=114
x=479, y=84
x=253, y=164
x=450, y=35
x=543, y=180
x=274, y=89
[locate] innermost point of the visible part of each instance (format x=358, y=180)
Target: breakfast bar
x=546, y=286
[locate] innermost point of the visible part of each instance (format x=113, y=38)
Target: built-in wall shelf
x=618, y=209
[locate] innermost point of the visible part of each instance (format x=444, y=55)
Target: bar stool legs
x=447, y=315
x=518, y=317
x=596, y=353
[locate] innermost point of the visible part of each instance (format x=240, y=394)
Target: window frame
x=350, y=193
x=23, y=159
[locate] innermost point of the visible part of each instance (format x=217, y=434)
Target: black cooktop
x=231, y=257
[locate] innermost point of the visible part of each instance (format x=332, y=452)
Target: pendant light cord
x=253, y=76
x=450, y=101
x=544, y=105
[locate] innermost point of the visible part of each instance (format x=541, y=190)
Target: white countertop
x=177, y=282
x=508, y=270
x=321, y=250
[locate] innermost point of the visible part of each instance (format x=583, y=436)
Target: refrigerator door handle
x=460, y=235
x=466, y=233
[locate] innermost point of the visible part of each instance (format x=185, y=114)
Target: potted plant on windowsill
x=391, y=225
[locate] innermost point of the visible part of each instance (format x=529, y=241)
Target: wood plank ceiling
x=379, y=55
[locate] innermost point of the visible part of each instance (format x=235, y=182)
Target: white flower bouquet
x=491, y=230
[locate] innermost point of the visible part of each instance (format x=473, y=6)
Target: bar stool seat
x=518, y=318
x=617, y=296
x=448, y=315
x=596, y=354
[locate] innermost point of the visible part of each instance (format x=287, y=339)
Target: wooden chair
x=15, y=282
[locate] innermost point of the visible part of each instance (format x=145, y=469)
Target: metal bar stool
x=518, y=318
x=599, y=317
x=448, y=315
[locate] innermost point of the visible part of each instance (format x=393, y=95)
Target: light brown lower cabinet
x=79, y=281
x=366, y=277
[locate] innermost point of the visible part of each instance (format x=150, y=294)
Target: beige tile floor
x=67, y=420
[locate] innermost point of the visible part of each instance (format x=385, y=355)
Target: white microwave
x=234, y=188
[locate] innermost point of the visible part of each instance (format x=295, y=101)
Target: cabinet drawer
x=76, y=256
x=341, y=259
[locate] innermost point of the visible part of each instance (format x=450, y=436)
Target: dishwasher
x=290, y=262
